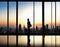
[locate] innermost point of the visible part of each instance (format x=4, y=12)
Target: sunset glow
x=25, y=10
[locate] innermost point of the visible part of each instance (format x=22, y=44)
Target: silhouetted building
x=20, y=29
x=1, y=29
x=25, y=29
x=46, y=26
x=53, y=27
x=56, y=28
x=36, y=28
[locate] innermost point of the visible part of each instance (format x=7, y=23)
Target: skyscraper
x=20, y=29
x=46, y=26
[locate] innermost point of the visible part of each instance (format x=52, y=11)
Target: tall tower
x=20, y=29
x=46, y=26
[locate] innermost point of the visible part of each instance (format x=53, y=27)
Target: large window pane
x=12, y=17
x=49, y=41
x=47, y=15
x=53, y=17
x=22, y=40
x=57, y=40
x=12, y=40
x=31, y=40
x=25, y=11
x=36, y=41
x=3, y=17
x=49, y=23
x=49, y=18
x=38, y=17
x=3, y=40
x=58, y=17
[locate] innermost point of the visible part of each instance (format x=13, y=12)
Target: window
x=3, y=17
x=12, y=17
x=13, y=23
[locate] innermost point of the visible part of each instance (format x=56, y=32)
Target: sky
x=25, y=10
x=3, y=13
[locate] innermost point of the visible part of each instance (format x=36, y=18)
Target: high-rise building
x=46, y=26
x=36, y=28
x=20, y=28
x=25, y=29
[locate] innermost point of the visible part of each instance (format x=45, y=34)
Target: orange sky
x=37, y=24
x=27, y=12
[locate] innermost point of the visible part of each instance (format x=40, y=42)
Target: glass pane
x=22, y=41
x=3, y=40
x=3, y=17
x=12, y=17
x=38, y=17
x=53, y=17
x=58, y=17
x=38, y=41
x=58, y=41
x=58, y=24
x=12, y=40
x=49, y=41
x=31, y=40
x=47, y=18
x=25, y=11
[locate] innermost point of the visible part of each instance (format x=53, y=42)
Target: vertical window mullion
x=43, y=35
x=17, y=23
x=51, y=24
x=55, y=23
x=7, y=23
x=33, y=23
